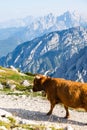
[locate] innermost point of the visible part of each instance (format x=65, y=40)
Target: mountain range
x=15, y=32
x=63, y=53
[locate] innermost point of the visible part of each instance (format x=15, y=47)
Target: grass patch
x=23, y=88
x=25, y=93
x=15, y=78
x=9, y=74
x=7, y=125
x=13, y=124
x=12, y=120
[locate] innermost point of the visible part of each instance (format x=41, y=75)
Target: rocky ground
x=32, y=110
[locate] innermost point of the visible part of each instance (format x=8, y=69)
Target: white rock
x=3, y=112
x=13, y=68
x=25, y=83
x=69, y=128
x=2, y=70
x=3, y=128
x=10, y=84
x=48, y=128
x=12, y=87
x=1, y=86
x=4, y=119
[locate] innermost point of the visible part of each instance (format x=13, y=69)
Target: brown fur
x=70, y=93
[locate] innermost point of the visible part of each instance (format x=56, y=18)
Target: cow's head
x=38, y=83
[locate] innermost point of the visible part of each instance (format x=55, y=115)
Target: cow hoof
x=66, y=117
x=49, y=113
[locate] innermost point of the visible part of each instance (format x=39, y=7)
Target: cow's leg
x=67, y=112
x=51, y=109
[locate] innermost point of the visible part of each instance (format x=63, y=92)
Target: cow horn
x=45, y=74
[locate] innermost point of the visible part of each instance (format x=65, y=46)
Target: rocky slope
x=61, y=52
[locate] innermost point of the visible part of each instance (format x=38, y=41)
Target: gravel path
x=33, y=110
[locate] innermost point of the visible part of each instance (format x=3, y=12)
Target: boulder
x=69, y=128
x=13, y=68
x=1, y=86
x=10, y=84
x=26, y=83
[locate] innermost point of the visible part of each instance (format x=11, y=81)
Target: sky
x=12, y=9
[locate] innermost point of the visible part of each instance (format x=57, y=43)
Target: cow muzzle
x=34, y=89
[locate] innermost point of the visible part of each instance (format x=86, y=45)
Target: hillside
x=60, y=49
x=11, y=80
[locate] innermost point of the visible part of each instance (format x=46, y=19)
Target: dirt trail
x=33, y=110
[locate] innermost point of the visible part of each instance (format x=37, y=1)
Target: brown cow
x=69, y=93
